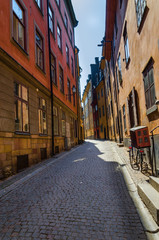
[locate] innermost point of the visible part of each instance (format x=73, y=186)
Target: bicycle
x=134, y=164
x=142, y=165
x=137, y=162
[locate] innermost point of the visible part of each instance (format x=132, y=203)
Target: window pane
x=50, y=12
x=17, y=89
x=59, y=36
x=43, y=104
x=146, y=82
x=25, y=118
x=24, y=93
x=40, y=120
x=56, y=125
x=147, y=99
x=18, y=10
x=15, y=28
x=38, y=40
x=151, y=78
x=152, y=92
x=21, y=34
x=50, y=24
x=63, y=128
x=38, y=3
x=44, y=123
x=18, y=116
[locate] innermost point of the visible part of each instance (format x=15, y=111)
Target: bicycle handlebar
x=154, y=129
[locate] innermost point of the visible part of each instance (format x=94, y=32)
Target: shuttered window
x=149, y=85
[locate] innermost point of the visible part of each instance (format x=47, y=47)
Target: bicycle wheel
x=131, y=156
x=138, y=160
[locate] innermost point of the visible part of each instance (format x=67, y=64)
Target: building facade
x=33, y=68
x=132, y=56
x=87, y=110
x=101, y=110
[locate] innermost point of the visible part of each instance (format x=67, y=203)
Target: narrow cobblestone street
x=82, y=195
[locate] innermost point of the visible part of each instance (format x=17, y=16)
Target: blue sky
x=89, y=32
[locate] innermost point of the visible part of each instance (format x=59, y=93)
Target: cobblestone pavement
x=81, y=196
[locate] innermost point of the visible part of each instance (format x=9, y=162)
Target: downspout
x=51, y=86
x=77, y=93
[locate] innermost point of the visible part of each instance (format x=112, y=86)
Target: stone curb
x=145, y=217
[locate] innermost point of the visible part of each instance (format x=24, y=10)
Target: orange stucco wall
x=34, y=17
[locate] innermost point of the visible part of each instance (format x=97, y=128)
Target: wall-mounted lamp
x=73, y=91
x=103, y=43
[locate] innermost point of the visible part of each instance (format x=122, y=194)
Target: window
x=101, y=128
x=102, y=92
x=51, y=21
x=126, y=44
x=140, y=9
x=69, y=89
x=39, y=51
x=61, y=80
x=58, y=2
x=66, y=21
x=59, y=37
x=56, y=121
x=74, y=101
x=119, y=69
x=124, y=116
x=63, y=124
x=149, y=85
x=121, y=3
x=100, y=112
x=53, y=70
x=103, y=110
x=21, y=108
x=75, y=124
x=116, y=69
x=67, y=55
x=72, y=66
x=98, y=95
x=42, y=116
x=18, y=24
x=71, y=37
x=72, y=128
x=39, y=3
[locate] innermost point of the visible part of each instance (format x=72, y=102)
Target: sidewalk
x=136, y=176
x=133, y=178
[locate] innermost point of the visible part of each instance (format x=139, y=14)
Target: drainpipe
x=51, y=85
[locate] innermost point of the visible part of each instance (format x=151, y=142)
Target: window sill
x=151, y=110
x=53, y=35
x=43, y=135
x=62, y=92
x=55, y=85
x=22, y=133
x=128, y=62
x=39, y=9
x=41, y=70
x=60, y=49
x=19, y=47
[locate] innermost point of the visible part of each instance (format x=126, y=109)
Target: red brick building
x=28, y=75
